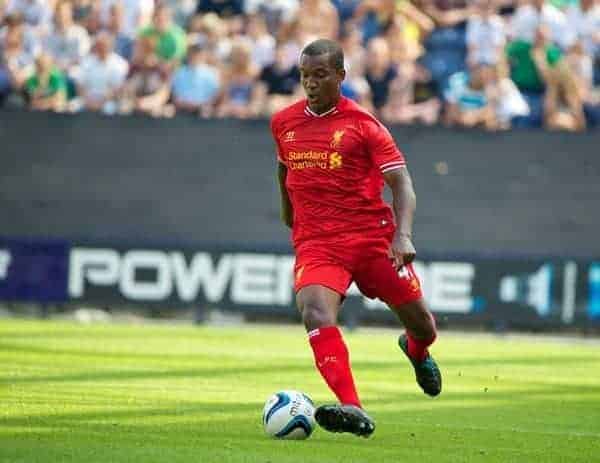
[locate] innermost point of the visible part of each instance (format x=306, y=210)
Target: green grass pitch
x=153, y=393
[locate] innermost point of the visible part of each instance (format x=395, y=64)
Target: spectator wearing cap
x=171, y=40
x=101, y=76
x=46, y=88
x=196, y=85
x=68, y=43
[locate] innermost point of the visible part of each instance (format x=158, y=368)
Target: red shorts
x=364, y=260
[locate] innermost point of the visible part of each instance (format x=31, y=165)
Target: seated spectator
x=195, y=86
x=101, y=76
x=240, y=89
x=279, y=14
x=46, y=88
x=319, y=19
x=523, y=69
x=404, y=45
x=182, y=10
x=36, y=13
x=15, y=23
x=171, y=40
x=373, y=17
x=68, y=42
x=263, y=43
x=210, y=32
x=584, y=17
x=532, y=15
x=355, y=86
x=381, y=71
x=122, y=41
x=137, y=14
x=411, y=98
x=563, y=104
x=446, y=13
x=223, y=8
x=16, y=62
x=346, y=8
x=468, y=98
x=486, y=36
x=279, y=83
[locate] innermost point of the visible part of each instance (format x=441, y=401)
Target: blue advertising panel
x=34, y=271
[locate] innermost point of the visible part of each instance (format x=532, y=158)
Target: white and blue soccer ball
x=289, y=415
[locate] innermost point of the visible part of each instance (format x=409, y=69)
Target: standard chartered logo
x=299, y=160
x=5, y=259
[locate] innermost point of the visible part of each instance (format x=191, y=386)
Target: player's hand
x=402, y=251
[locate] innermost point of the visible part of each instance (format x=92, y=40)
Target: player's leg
x=401, y=291
x=319, y=305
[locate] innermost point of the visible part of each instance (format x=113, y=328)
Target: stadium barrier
x=184, y=212
x=494, y=292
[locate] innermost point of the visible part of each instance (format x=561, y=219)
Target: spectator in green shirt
x=171, y=40
x=47, y=87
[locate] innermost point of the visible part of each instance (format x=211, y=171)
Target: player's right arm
x=286, y=211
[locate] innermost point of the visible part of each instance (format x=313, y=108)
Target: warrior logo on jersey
x=289, y=136
x=336, y=139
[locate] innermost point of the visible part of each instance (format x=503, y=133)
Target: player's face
x=321, y=81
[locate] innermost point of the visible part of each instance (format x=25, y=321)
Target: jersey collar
x=334, y=110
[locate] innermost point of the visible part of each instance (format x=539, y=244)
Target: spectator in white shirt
x=101, y=76
x=532, y=15
x=276, y=12
x=137, y=14
x=69, y=42
x=584, y=18
x=37, y=13
x=486, y=35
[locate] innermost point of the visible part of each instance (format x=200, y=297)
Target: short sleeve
x=381, y=147
x=275, y=134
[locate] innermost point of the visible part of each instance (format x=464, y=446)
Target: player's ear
x=341, y=73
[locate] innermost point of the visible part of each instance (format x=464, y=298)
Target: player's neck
x=327, y=109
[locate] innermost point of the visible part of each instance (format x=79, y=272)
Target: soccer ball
x=289, y=415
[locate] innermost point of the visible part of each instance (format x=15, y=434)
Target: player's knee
x=315, y=316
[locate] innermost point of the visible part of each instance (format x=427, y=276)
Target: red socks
x=333, y=362
x=417, y=348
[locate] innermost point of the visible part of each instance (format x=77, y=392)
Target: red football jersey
x=335, y=162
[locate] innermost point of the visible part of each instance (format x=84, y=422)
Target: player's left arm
x=404, y=205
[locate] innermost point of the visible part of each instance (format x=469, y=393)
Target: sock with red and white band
x=333, y=362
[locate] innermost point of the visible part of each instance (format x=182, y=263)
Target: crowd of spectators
x=487, y=63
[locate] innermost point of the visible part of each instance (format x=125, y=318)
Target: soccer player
x=333, y=159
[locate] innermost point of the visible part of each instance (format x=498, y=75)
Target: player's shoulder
x=360, y=114
x=279, y=118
